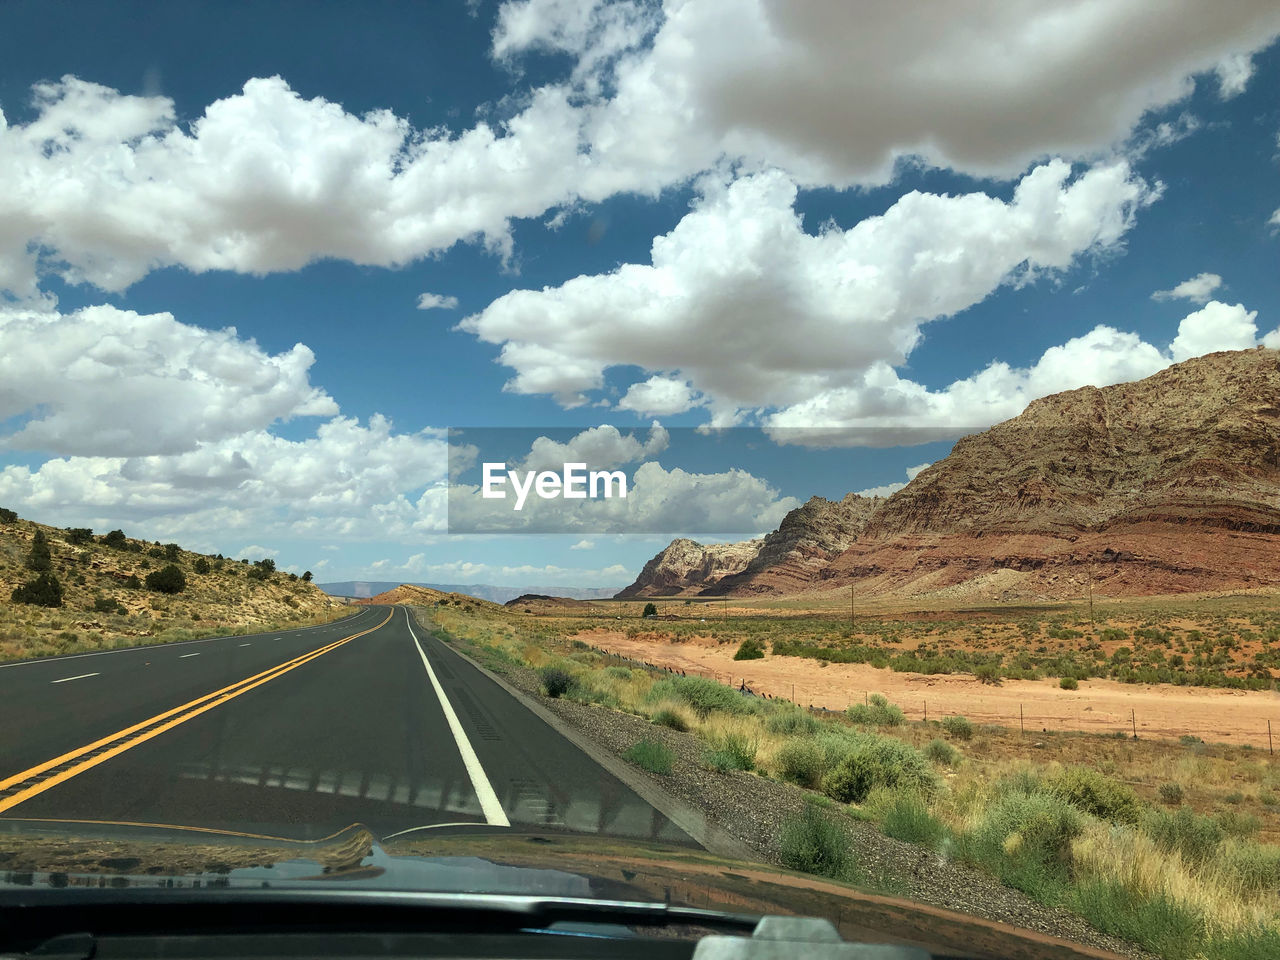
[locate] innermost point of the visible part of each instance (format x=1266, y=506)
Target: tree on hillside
x=168, y=579
x=115, y=539
x=43, y=591
x=266, y=564
x=306, y=577
x=79, y=535
x=7, y=516
x=40, y=558
x=171, y=551
x=201, y=566
x=650, y=610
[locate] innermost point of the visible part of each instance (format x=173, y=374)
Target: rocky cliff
x=686, y=566
x=1166, y=484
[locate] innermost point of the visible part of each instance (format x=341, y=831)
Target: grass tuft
x=650, y=755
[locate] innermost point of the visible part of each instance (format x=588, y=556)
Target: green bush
x=1193, y=837
x=43, y=591
x=132, y=582
x=1025, y=839
x=671, y=719
x=104, y=605
x=1235, y=823
x=876, y=711
x=618, y=672
x=650, y=610
x=939, y=751
x=1159, y=924
x=731, y=751
x=907, y=817
x=1170, y=793
x=79, y=535
x=39, y=558
x=7, y=515
x=959, y=727
x=1088, y=790
x=1254, y=868
x=168, y=579
x=813, y=843
x=156, y=553
x=800, y=761
x=879, y=762
x=701, y=694
x=1069, y=683
x=749, y=649
x=988, y=673
x=556, y=682
x=201, y=566
x=650, y=755
x=792, y=722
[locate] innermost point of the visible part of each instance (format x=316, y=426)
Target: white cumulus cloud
x=1198, y=289
x=435, y=301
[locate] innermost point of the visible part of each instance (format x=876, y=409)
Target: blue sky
x=812, y=222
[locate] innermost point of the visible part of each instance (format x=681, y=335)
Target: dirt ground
x=1098, y=706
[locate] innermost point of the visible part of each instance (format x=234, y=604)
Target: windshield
x=770, y=457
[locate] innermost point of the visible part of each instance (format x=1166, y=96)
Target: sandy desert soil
x=1229, y=716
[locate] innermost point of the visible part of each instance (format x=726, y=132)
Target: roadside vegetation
x=75, y=591
x=1169, y=845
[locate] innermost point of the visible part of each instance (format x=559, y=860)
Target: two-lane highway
x=367, y=720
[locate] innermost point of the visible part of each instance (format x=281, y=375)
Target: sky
x=258, y=259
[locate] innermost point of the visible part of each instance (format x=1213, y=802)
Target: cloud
x=888, y=489
x=659, y=396
x=253, y=550
x=171, y=386
x=883, y=403
x=584, y=545
x=1216, y=326
x=600, y=448
x=1198, y=289
x=103, y=187
x=434, y=301
x=358, y=482
x=741, y=305
x=467, y=571
x=1233, y=72
x=658, y=501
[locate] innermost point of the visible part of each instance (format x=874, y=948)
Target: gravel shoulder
x=753, y=808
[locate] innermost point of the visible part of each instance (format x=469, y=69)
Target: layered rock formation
x=1167, y=484
x=686, y=566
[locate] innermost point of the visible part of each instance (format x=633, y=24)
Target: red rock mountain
x=1167, y=484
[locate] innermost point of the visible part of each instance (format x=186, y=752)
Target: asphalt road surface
x=297, y=734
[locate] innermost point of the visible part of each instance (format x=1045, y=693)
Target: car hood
x=481, y=860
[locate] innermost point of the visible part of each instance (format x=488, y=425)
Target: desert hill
x=411, y=594
x=105, y=600
x=1167, y=484
x=686, y=566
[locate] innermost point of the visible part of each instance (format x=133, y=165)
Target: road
x=297, y=734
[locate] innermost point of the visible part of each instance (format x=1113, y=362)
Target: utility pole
x=851, y=606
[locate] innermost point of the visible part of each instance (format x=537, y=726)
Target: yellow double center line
x=29, y=783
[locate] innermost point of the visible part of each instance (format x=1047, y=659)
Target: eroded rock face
x=1167, y=484
x=686, y=566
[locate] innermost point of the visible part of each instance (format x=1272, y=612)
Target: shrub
x=671, y=720
x=201, y=566
x=813, y=843
x=555, y=681
x=749, y=649
x=169, y=579
x=1088, y=790
x=306, y=576
x=792, y=722
x=132, y=582
x=877, y=711
x=701, y=694
x=39, y=558
x=1069, y=683
x=907, y=817
x=1025, y=838
x=104, y=605
x=800, y=761
x=988, y=673
x=649, y=755
x=879, y=762
x=156, y=552
x=7, y=516
x=266, y=565
x=959, y=727
x=43, y=591
x=1193, y=837
x=939, y=751
x=650, y=610
x=171, y=551
x=1235, y=823
x=731, y=751
x=1156, y=922
x=79, y=535
x=1170, y=793
x=1255, y=869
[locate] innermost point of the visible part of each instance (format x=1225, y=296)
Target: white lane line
x=246, y=644
x=489, y=804
x=80, y=677
x=185, y=655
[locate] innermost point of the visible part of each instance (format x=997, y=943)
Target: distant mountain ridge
x=1167, y=484
x=363, y=589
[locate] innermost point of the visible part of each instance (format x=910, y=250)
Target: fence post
x=1270, y=748
x=1022, y=727
x=1133, y=719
